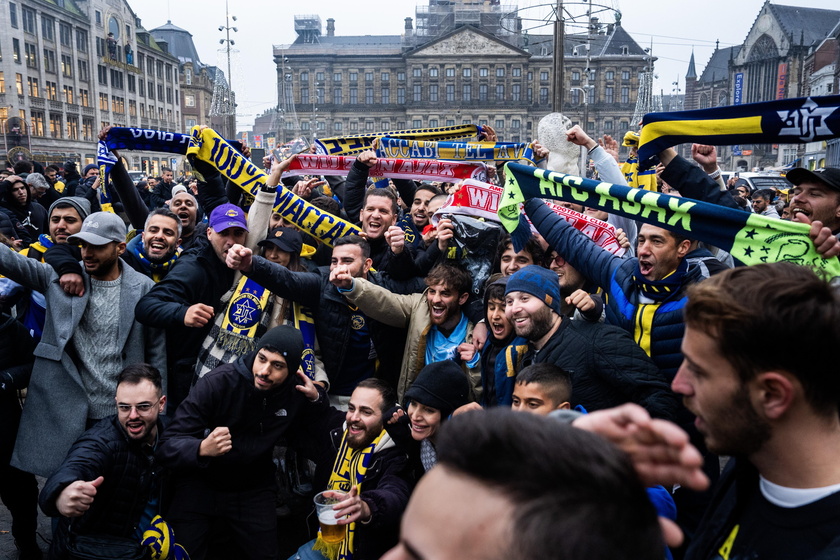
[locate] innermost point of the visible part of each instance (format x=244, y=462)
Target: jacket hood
x=244, y=366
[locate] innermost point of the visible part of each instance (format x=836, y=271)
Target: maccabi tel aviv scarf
x=455, y=151
x=787, y=121
x=750, y=238
x=356, y=144
x=390, y=168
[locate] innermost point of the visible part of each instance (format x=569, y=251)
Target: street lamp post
x=228, y=42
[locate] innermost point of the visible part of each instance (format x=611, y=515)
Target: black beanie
x=286, y=340
x=441, y=385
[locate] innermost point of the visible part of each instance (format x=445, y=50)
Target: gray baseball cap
x=101, y=228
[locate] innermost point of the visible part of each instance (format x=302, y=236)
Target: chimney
x=409, y=28
x=330, y=27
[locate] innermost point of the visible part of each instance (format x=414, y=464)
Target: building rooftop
x=811, y=25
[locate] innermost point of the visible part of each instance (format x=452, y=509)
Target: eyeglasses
x=558, y=260
x=141, y=408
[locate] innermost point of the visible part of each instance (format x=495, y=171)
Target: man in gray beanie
x=607, y=367
x=220, y=444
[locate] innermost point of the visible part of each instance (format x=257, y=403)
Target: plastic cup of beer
x=331, y=531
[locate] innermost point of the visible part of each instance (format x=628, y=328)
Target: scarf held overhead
x=352, y=145
x=449, y=171
x=750, y=238
x=481, y=200
x=787, y=121
x=208, y=146
x=455, y=151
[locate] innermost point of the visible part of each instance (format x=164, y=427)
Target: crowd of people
x=172, y=355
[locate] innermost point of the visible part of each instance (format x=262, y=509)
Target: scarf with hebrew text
x=356, y=144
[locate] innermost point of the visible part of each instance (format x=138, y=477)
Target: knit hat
x=227, y=216
x=284, y=238
x=37, y=180
x=286, y=340
x=539, y=282
x=88, y=167
x=441, y=385
x=82, y=205
x=100, y=228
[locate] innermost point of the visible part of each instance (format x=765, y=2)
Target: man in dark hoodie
x=16, y=201
x=221, y=440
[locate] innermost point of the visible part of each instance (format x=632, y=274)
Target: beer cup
x=331, y=531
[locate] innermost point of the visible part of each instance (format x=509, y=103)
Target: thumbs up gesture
x=76, y=499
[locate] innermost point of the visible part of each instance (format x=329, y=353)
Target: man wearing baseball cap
x=184, y=302
x=87, y=341
x=607, y=367
x=816, y=196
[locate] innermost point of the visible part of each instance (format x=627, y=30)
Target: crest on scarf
x=243, y=311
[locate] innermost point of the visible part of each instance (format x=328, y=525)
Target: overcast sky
x=675, y=27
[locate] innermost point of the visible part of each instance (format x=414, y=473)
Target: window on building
x=132, y=83
x=103, y=101
x=609, y=75
x=575, y=75
x=169, y=95
x=514, y=123
x=66, y=66
x=28, y=19
x=132, y=108
x=466, y=72
x=67, y=91
x=500, y=72
x=418, y=93
x=500, y=92
x=19, y=83
x=369, y=96
x=102, y=74
x=189, y=100
x=100, y=46
x=49, y=61
x=417, y=72
x=337, y=77
x=575, y=97
x=168, y=72
x=304, y=95
x=150, y=88
x=516, y=92
x=450, y=92
x=84, y=98
x=385, y=77
x=47, y=28
x=33, y=86
x=142, y=110
x=369, y=126
x=354, y=126
x=433, y=72
x=117, y=79
x=608, y=125
x=13, y=20
x=188, y=76
x=483, y=72
x=81, y=40
x=98, y=17
x=450, y=72
x=83, y=75
x=354, y=76
x=544, y=76
x=337, y=126
x=87, y=128
x=450, y=122
x=433, y=123
x=16, y=50
x=385, y=125
x=65, y=34
x=400, y=76
x=31, y=52
x=467, y=93
x=482, y=92
x=625, y=74
x=52, y=91
x=625, y=95
x=543, y=95
x=141, y=87
x=516, y=72
x=304, y=125
x=354, y=96
x=500, y=124
x=319, y=76
x=386, y=95
x=417, y=123
x=337, y=96
x=609, y=95
x=433, y=92
x=159, y=69
x=401, y=96
x=37, y=123
x=55, y=125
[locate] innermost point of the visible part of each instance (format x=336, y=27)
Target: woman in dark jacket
x=16, y=201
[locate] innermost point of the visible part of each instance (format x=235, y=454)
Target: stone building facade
x=62, y=80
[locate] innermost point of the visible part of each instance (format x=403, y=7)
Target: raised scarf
x=455, y=151
x=481, y=200
x=786, y=121
x=449, y=171
x=349, y=470
x=356, y=144
x=750, y=238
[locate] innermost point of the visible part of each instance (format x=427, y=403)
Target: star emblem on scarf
x=751, y=234
x=806, y=122
x=244, y=312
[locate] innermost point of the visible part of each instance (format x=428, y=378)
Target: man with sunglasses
x=109, y=483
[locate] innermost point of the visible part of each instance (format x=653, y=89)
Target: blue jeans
x=305, y=552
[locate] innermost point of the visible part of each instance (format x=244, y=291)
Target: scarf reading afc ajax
x=750, y=238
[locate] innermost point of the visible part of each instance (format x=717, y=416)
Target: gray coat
x=56, y=408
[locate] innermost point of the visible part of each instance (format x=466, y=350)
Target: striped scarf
x=352, y=145
x=349, y=470
x=787, y=121
x=311, y=164
x=750, y=238
x=455, y=151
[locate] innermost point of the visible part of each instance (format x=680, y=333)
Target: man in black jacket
x=606, y=366
x=352, y=345
x=109, y=483
x=220, y=444
x=184, y=301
